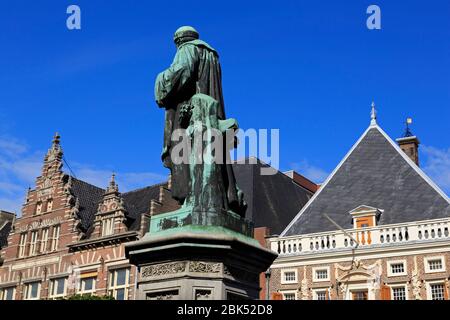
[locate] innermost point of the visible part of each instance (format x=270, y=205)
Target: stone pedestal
x=197, y=262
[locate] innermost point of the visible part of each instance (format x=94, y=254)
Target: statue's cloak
x=195, y=69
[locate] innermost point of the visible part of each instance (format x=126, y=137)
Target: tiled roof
x=6, y=219
x=137, y=202
x=89, y=197
x=374, y=173
x=273, y=200
x=4, y=232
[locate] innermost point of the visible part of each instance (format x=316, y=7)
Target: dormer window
x=365, y=216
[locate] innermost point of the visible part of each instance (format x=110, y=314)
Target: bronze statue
x=190, y=90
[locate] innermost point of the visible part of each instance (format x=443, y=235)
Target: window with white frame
x=108, y=226
x=49, y=205
x=87, y=285
x=289, y=276
x=437, y=291
x=118, y=283
x=55, y=237
x=321, y=274
x=396, y=268
x=434, y=264
x=58, y=287
x=22, y=245
x=34, y=242
x=44, y=240
x=398, y=293
x=320, y=295
x=7, y=293
x=32, y=291
x=289, y=295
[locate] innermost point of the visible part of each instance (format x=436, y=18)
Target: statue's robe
x=195, y=69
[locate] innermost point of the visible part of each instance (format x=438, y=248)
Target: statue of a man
x=195, y=77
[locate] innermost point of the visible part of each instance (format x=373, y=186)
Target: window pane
x=34, y=290
x=120, y=294
x=88, y=284
x=9, y=294
x=435, y=264
x=399, y=293
x=60, y=286
x=121, y=276
x=321, y=295
x=289, y=276
x=289, y=296
x=111, y=284
x=322, y=274
x=360, y=295
x=437, y=291
x=397, y=268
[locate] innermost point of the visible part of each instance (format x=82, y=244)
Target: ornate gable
x=111, y=217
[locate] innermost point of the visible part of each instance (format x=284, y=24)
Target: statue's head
x=184, y=34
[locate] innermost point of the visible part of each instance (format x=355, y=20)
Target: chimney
x=302, y=181
x=409, y=143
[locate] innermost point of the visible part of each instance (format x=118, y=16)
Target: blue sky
x=308, y=68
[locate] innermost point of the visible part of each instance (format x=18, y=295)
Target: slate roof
x=4, y=232
x=137, y=202
x=376, y=173
x=273, y=200
x=89, y=197
x=6, y=219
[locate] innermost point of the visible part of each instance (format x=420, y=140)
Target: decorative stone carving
x=40, y=224
x=203, y=294
x=163, y=269
x=375, y=271
x=304, y=286
x=343, y=289
x=415, y=281
x=205, y=267
x=46, y=190
x=163, y=295
x=47, y=183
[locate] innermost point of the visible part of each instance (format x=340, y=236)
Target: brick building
x=70, y=237
x=378, y=228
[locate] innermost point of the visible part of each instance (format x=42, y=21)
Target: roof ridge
x=140, y=189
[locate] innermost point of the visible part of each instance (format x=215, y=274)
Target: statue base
x=190, y=216
x=198, y=262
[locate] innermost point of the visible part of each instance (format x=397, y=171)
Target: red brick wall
x=260, y=235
